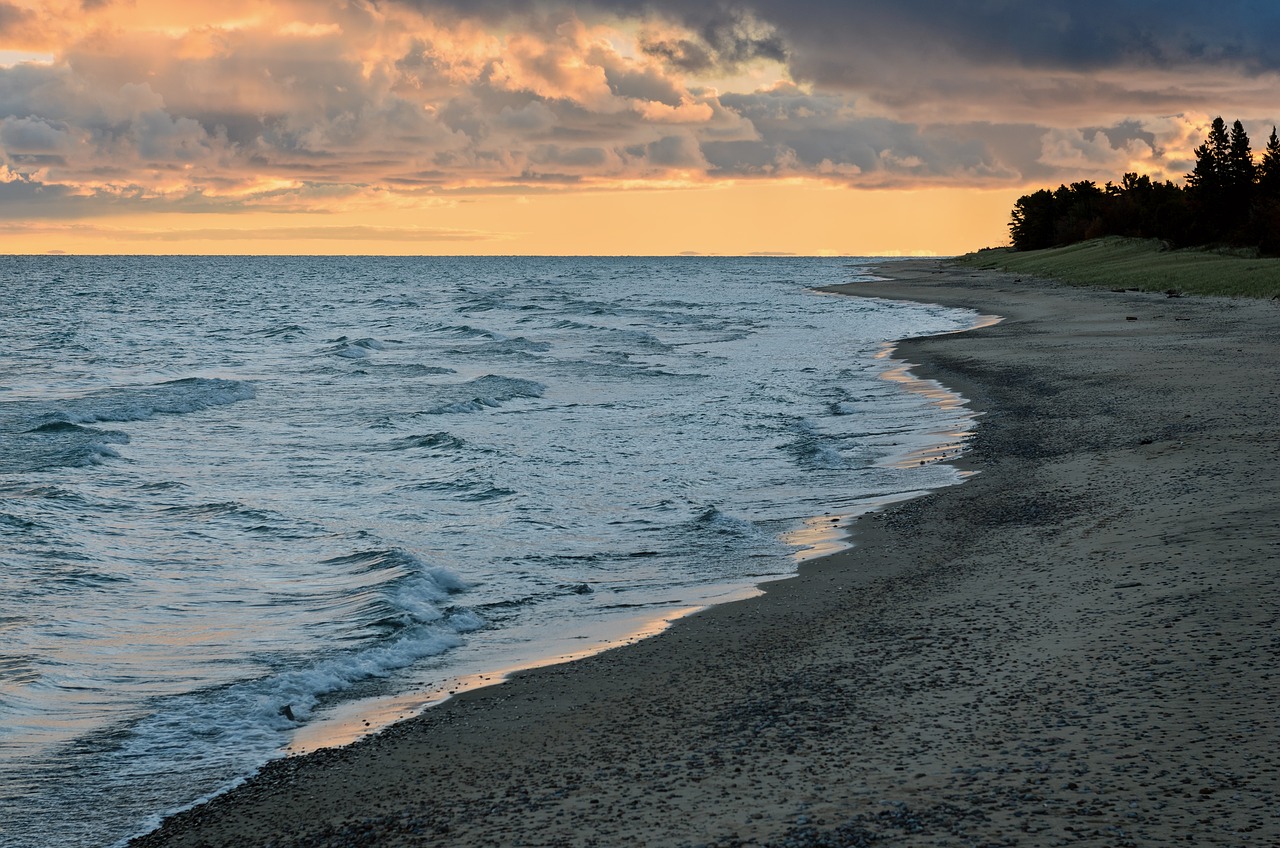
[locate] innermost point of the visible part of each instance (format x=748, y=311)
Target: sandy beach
x=1078, y=646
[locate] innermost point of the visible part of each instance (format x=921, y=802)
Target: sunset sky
x=610, y=127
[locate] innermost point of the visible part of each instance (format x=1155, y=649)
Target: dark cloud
x=1120, y=135
x=573, y=157
x=733, y=34
x=892, y=50
x=683, y=53
x=642, y=85
x=820, y=134
x=1057, y=34
x=674, y=151
x=828, y=35
x=26, y=199
x=31, y=135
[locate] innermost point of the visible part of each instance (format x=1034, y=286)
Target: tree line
x=1231, y=198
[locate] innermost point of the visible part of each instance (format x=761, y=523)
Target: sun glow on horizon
x=753, y=219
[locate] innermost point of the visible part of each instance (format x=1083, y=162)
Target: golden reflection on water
x=944, y=444
x=346, y=723
x=820, y=535
x=828, y=534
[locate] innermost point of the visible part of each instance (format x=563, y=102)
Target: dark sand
x=1078, y=646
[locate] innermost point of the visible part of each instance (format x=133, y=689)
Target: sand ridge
x=1078, y=646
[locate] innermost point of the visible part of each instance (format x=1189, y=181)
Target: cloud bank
x=309, y=105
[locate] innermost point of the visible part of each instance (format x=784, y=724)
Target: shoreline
x=355, y=720
x=978, y=666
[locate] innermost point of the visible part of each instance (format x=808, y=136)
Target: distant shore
x=1076, y=646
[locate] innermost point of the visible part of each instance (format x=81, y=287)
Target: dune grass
x=1145, y=264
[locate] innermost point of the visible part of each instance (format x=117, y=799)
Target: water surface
x=243, y=500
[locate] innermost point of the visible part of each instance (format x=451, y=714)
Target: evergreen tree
x=1209, y=177
x=1220, y=142
x=1241, y=172
x=1034, y=220
x=1209, y=184
x=1229, y=198
x=1266, y=205
x=1079, y=211
x=1238, y=195
x=1269, y=169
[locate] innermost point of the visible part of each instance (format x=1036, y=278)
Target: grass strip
x=1146, y=264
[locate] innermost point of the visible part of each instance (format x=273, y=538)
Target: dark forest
x=1231, y=198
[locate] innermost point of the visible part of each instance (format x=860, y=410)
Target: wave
x=638, y=338
x=17, y=522
x=221, y=509
x=480, y=303
x=464, y=490
x=814, y=450
x=58, y=444
x=176, y=397
x=162, y=486
x=624, y=366
x=399, y=591
x=417, y=600
x=474, y=405
x=374, y=560
x=498, y=347
x=489, y=391
x=566, y=324
x=86, y=579
x=287, y=331
x=62, y=427
x=209, y=737
x=247, y=519
x=354, y=348
x=715, y=521
x=417, y=370
x=213, y=509
x=431, y=441
x=722, y=541
x=57, y=494
x=496, y=343
x=463, y=331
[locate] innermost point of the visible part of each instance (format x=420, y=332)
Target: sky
x=813, y=127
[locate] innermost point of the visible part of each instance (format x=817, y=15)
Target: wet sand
x=1078, y=646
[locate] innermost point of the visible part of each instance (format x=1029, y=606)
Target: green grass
x=1115, y=262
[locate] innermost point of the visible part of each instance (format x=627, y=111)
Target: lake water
x=249, y=504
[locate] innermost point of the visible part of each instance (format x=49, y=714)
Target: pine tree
x=1209, y=175
x=1240, y=177
x=1220, y=143
x=1241, y=172
x=1269, y=169
x=1266, y=207
x=1208, y=184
